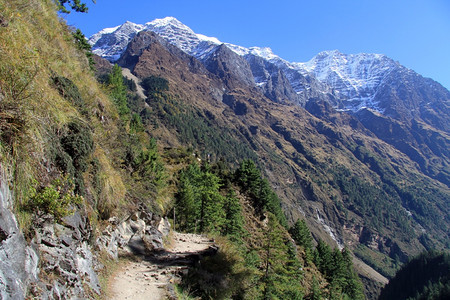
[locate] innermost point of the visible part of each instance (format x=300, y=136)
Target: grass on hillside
x=35, y=47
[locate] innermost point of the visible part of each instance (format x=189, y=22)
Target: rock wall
x=61, y=261
x=68, y=264
x=139, y=234
x=18, y=260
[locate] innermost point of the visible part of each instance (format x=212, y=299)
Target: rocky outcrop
x=68, y=251
x=230, y=67
x=18, y=261
x=141, y=233
x=61, y=261
x=68, y=264
x=272, y=80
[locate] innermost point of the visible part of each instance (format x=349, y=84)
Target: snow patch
x=205, y=38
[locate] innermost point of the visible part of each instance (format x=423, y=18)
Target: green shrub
x=70, y=92
x=78, y=143
x=57, y=199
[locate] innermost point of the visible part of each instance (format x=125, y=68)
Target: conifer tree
x=211, y=206
x=316, y=291
x=199, y=201
x=301, y=234
x=119, y=91
x=233, y=216
x=323, y=258
x=248, y=176
x=75, y=5
x=187, y=204
x=281, y=278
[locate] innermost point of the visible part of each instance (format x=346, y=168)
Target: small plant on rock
x=57, y=199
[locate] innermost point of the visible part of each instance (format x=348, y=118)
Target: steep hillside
x=70, y=158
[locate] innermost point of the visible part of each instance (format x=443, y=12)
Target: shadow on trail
x=180, y=259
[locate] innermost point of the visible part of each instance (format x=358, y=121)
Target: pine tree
x=211, y=206
x=75, y=5
x=118, y=91
x=281, y=278
x=187, y=198
x=353, y=286
x=323, y=258
x=316, y=291
x=233, y=216
x=301, y=234
x=199, y=202
x=248, y=176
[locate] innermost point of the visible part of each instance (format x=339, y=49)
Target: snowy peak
x=355, y=76
x=175, y=32
x=350, y=80
x=167, y=21
x=110, y=43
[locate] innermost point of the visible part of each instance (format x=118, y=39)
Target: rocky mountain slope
x=367, y=161
x=361, y=84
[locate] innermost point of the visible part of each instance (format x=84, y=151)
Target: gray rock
x=18, y=261
x=164, y=227
x=153, y=239
x=140, y=234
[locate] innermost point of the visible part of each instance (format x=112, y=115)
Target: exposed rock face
x=141, y=233
x=65, y=252
x=18, y=261
x=405, y=95
x=67, y=263
x=272, y=80
x=229, y=66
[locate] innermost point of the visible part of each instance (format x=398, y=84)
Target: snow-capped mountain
x=350, y=82
x=356, y=76
x=110, y=43
x=251, y=91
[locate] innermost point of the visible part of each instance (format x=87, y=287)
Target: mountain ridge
x=352, y=77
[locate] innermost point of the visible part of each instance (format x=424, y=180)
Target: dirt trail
x=150, y=277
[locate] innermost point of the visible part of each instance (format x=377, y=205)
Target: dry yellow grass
x=35, y=46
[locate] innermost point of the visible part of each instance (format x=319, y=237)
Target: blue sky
x=414, y=32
